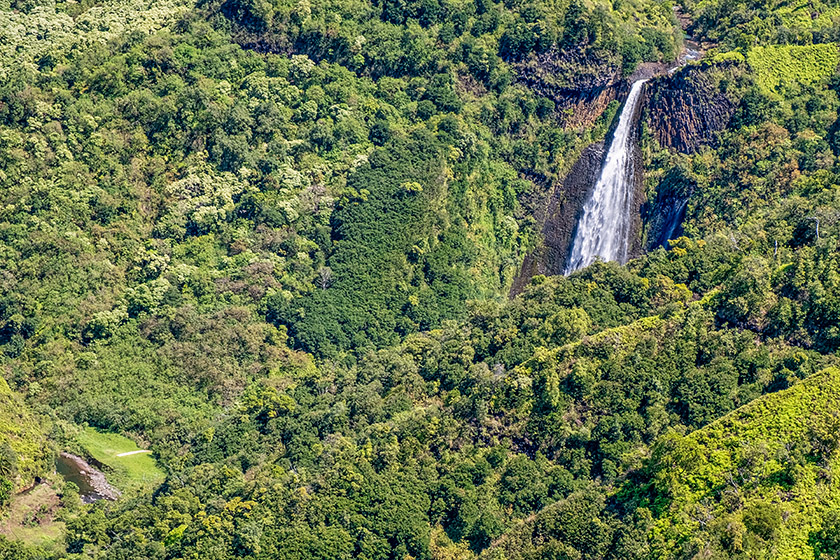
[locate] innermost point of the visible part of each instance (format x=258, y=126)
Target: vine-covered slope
x=774, y=458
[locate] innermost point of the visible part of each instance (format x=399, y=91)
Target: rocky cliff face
x=564, y=208
x=581, y=82
x=634, y=236
x=686, y=109
x=664, y=220
x=684, y=112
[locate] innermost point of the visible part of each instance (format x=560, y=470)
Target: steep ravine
x=582, y=84
x=682, y=110
x=607, y=221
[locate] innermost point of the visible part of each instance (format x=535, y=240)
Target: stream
x=92, y=483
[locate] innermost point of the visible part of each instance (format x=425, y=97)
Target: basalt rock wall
x=634, y=235
x=686, y=109
x=581, y=82
x=564, y=208
x=683, y=110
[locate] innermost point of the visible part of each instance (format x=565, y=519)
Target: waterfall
x=673, y=218
x=605, y=225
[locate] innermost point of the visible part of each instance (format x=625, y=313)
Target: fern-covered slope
x=759, y=482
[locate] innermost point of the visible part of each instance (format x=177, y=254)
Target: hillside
x=755, y=483
x=293, y=251
x=24, y=451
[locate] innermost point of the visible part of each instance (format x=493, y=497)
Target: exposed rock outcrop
x=564, y=208
x=634, y=235
x=582, y=82
x=684, y=112
x=571, y=70
x=687, y=108
x=664, y=220
x=664, y=214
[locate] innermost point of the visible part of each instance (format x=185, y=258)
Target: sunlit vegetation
x=24, y=453
x=778, y=67
x=272, y=242
x=747, y=23
x=129, y=467
x=774, y=456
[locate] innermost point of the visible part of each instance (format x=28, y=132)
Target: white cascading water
x=605, y=225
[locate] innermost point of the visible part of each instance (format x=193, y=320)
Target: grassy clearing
x=778, y=67
x=130, y=472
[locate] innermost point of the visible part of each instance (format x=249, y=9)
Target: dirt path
x=127, y=453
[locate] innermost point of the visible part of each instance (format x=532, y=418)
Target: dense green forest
x=273, y=242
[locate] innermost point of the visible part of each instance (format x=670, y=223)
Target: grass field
x=779, y=66
x=129, y=472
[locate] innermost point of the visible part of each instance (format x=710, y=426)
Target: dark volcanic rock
x=634, y=236
x=687, y=108
x=663, y=216
x=571, y=70
x=564, y=208
x=583, y=109
x=581, y=82
x=666, y=222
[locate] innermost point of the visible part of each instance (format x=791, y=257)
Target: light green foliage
x=24, y=451
x=28, y=35
x=747, y=23
x=780, y=67
x=272, y=241
x=202, y=202
x=130, y=473
x=769, y=458
x=727, y=56
x=801, y=15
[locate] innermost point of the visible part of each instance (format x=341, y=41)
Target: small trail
x=127, y=453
